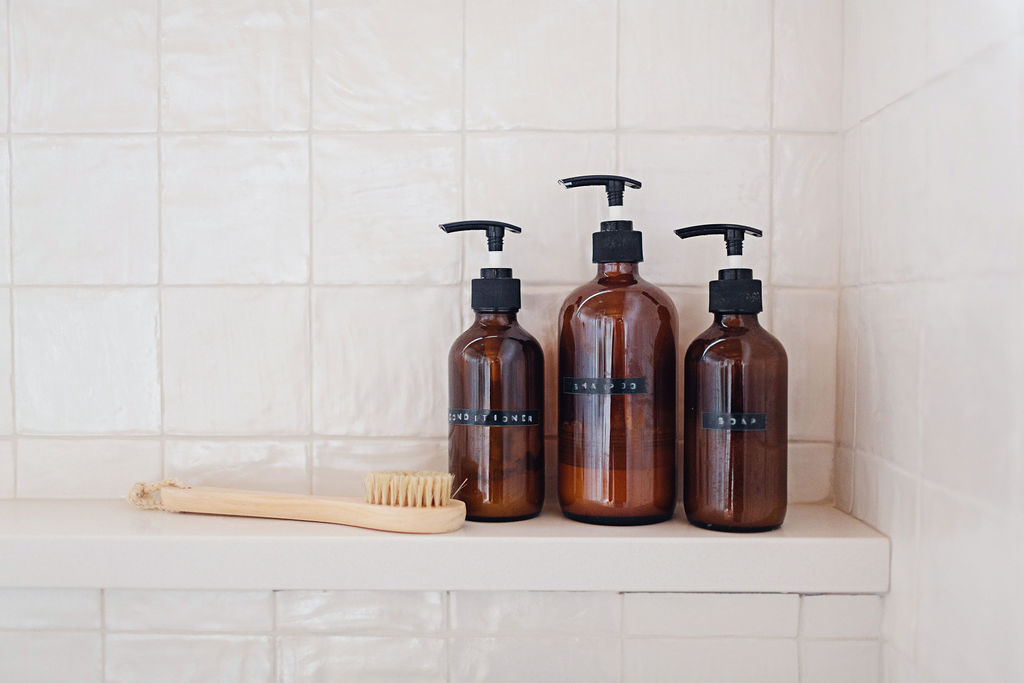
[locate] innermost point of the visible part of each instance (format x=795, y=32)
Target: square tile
x=807, y=84
x=534, y=658
x=254, y=465
x=377, y=201
x=849, y=249
x=810, y=472
x=370, y=659
x=707, y=615
x=565, y=81
x=959, y=29
x=86, y=361
x=361, y=611
x=806, y=210
x=241, y=65
x=158, y=658
x=45, y=657
x=382, y=381
x=811, y=350
x=340, y=467
x=103, y=468
x=43, y=608
x=236, y=361
x=187, y=610
x=554, y=612
x=693, y=179
x=394, y=70
x=840, y=661
x=235, y=210
x=891, y=50
x=711, y=660
x=695, y=63
x=85, y=210
x=81, y=67
x=841, y=616
x=512, y=177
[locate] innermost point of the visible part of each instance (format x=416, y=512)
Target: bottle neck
x=737, y=320
x=496, y=319
x=619, y=270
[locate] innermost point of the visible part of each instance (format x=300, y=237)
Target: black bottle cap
x=495, y=291
x=735, y=290
x=617, y=242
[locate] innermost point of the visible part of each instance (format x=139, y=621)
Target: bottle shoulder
x=602, y=299
x=479, y=340
x=720, y=343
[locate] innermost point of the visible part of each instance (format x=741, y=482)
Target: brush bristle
x=409, y=489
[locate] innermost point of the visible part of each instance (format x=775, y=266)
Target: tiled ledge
x=73, y=543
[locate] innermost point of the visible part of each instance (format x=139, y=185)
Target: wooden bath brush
x=410, y=502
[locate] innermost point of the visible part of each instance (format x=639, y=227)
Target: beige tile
x=808, y=64
x=95, y=468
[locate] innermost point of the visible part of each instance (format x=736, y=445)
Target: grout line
x=463, y=203
x=622, y=637
x=103, y=631
x=274, y=133
x=274, y=628
x=618, y=88
x=10, y=260
x=310, y=329
x=160, y=237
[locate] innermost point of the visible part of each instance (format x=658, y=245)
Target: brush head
x=409, y=489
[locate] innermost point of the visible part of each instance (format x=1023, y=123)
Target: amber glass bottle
x=496, y=399
x=735, y=392
x=617, y=398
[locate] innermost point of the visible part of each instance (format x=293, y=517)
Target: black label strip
x=495, y=418
x=735, y=422
x=604, y=385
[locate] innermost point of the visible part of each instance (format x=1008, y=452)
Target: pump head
x=614, y=185
x=733, y=233
x=736, y=290
x=495, y=231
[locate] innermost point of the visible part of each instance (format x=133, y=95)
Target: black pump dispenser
x=617, y=242
x=735, y=290
x=495, y=290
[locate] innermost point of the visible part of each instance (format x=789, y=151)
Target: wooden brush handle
x=349, y=511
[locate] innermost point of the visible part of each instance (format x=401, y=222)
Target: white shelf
x=76, y=543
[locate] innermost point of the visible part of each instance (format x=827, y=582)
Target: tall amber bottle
x=496, y=398
x=735, y=385
x=617, y=372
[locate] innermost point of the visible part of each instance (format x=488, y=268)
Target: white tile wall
x=714, y=660
x=6, y=469
x=255, y=465
x=176, y=610
x=371, y=659
x=55, y=608
x=171, y=658
x=707, y=615
x=79, y=468
x=51, y=656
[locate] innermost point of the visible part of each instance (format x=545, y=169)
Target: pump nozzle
x=733, y=233
x=495, y=231
x=614, y=185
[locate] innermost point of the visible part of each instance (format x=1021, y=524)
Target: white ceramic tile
x=373, y=660
x=695, y=63
x=394, y=69
x=6, y=395
x=187, y=610
x=893, y=192
x=82, y=67
x=564, y=81
x=889, y=333
x=853, y=19
x=539, y=317
x=95, y=468
x=175, y=658
x=535, y=612
x=811, y=349
x=897, y=667
x=808, y=66
x=235, y=210
x=957, y=29
x=806, y=210
x=390, y=379
x=852, y=661
x=692, y=179
x=5, y=83
x=534, y=658
x=255, y=465
x=85, y=210
x=810, y=472
x=86, y=361
x=236, y=360
x=340, y=467
x=234, y=65
x=706, y=615
x=841, y=616
x=847, y=343
x=417, y=612
x=5, y=213
x=709, y=660
x=849, y=248
x=54, y=657
x=6, y=470
x=842, y=479
x=890, y=51
x=512, y=177
x=958, y=398
x=40, y=608
x=377, y=201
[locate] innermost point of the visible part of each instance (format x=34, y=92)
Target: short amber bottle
x=496, y=400
x=617, y=393
x=735, y=392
